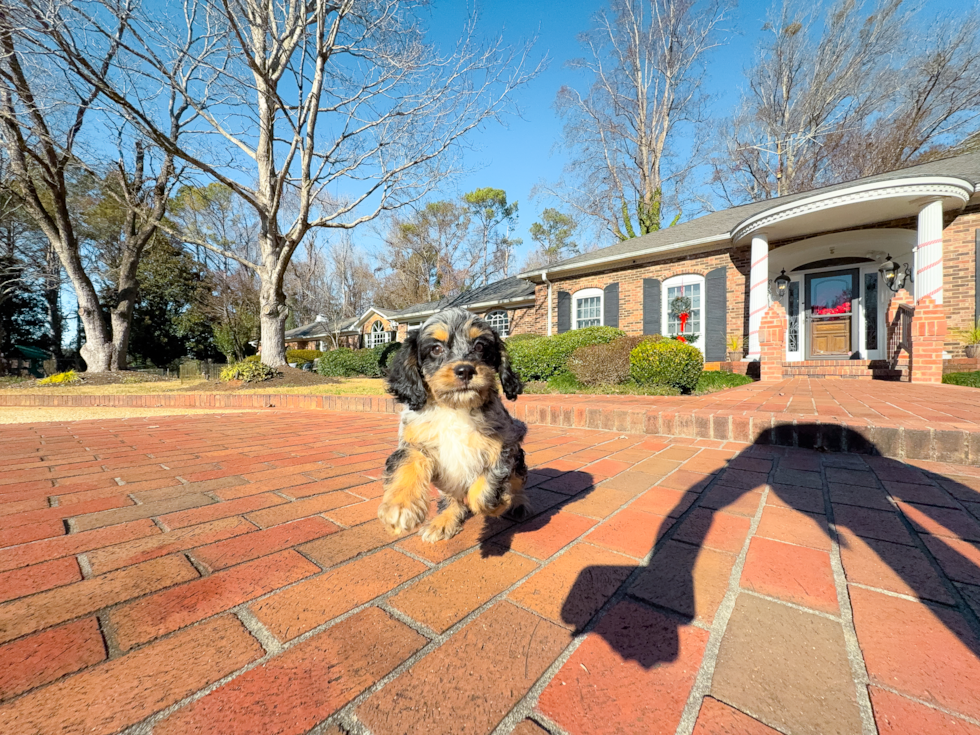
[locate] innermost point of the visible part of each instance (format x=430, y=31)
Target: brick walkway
x=227, y=574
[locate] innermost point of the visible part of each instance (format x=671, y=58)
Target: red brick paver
x=228, y=574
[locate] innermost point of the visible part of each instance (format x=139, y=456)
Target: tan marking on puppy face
x=447, y=389
x=440, y=333
x=475, y=332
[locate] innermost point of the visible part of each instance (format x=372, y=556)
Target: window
x=500, y=321
x=678, y=291
x=587, y=308
x=377, y=336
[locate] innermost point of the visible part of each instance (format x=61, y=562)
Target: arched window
x=685, y=290
x=500, y=321
x=378, y=335
x=587, y=308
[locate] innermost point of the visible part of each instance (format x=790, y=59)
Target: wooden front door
x=831, y=303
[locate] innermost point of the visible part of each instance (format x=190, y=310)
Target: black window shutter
x=610, y=305
x=651, y=306
x=715, y=318
x=564, y=311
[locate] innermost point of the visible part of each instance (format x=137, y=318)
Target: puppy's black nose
x=464, y=372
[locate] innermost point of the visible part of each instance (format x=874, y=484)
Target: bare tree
x=41, y=127
x=297, y=101
x=647, y=62
x=426, y=254
x=847, y=90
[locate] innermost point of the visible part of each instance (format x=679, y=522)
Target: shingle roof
x=319, y=329
x=508, y=289
x=719, y=224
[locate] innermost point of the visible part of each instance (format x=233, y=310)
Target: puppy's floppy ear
x=404, y=379
x=510, y=381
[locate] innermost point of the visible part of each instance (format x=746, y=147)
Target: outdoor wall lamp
x=895, y=279
x=782, y=282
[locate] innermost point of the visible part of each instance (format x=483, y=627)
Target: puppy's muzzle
x=464, y=372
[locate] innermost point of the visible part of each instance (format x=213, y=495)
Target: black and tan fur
x=455, y=431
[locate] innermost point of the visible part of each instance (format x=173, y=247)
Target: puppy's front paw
x=399, y=518
x=520, y=512
x=439, y=530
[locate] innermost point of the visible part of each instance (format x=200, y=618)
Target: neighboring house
x=322, y=333
x=508, y=305
x=823, y=254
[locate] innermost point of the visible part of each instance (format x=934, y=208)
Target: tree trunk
x=52, y=297
x=98, y=348
x=272, y=323
x=127, y=293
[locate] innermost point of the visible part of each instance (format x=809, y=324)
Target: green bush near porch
x=971, y=380
x=544, y=357
x=667, y=362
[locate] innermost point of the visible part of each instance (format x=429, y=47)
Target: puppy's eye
x=478, y=348
x=436, y=350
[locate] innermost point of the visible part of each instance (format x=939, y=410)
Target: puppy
x=455, y=432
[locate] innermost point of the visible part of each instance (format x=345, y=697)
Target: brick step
x=852, y=369
x=864, y=375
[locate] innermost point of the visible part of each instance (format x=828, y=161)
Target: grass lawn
x=969, y=379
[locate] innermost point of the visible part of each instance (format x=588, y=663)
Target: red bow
x=683, y=316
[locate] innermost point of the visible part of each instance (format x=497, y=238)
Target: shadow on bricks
x=547, y=489
x=916, y=529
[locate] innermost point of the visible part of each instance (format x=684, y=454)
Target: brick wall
x=959, y=275
x=630, y=278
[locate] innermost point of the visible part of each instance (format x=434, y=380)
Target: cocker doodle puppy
x=455, y=431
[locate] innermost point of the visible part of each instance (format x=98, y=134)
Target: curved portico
x=848, y=258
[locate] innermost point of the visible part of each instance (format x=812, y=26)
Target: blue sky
x=526, y=151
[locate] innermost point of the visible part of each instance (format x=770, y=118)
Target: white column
x=758, y=290
x=929, y=252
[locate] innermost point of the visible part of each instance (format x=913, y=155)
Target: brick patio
x=227, y=574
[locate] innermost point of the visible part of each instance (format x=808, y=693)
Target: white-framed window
x=688, y=287
x=378, y=335
x=500, y=321
x=587, y=308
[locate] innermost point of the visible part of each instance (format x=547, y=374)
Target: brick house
x=508, y=305
x=833, y=257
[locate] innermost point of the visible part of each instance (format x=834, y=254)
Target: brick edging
x=959, y=446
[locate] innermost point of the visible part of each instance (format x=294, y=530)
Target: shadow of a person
x=547, y=491
x=859, y=500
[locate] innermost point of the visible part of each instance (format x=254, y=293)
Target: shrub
x=253, y=358
x=666, y=362
x=301, y=357
x=539, y=359
x=67, y=378
x=368, y=363
x=516, y=338
x=605, y=364
x=249, y=371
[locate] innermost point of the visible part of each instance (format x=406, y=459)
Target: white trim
x=362, y=320
x=946, y=187
x=586, y=293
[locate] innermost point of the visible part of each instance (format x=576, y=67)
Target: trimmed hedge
x=347, y=363
x=301, y=357
x=605, y=364
x=667, y=362
x=541, y=358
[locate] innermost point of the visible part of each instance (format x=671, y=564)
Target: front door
x=830, y=305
